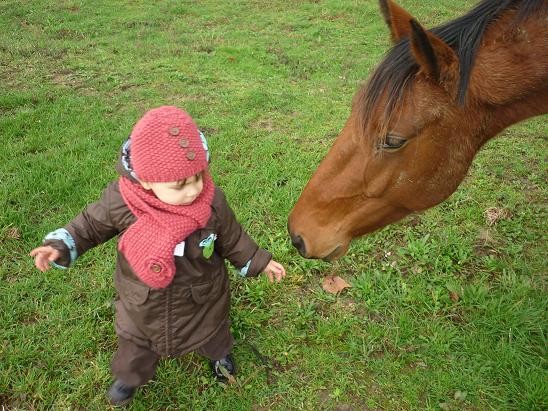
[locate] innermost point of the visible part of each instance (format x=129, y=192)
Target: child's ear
x=145, y=185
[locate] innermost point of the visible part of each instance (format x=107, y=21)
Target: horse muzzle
x=303, y=247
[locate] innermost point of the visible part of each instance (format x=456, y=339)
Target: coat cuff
x=257, y=264
x=63, y=242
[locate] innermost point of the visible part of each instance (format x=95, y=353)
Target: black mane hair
x=463, y=34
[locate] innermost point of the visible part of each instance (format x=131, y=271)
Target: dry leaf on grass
x=229, y=377
x=334, y=284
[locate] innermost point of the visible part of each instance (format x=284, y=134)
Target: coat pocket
x=201, y=293
x=132, y=291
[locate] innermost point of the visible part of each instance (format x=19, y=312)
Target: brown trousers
x=135, y=365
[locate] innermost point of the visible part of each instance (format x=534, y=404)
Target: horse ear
x=436, y=58
x=396, y=18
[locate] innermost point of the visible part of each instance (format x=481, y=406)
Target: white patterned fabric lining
x=63, y=235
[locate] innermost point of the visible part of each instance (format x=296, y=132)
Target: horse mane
x=395, y=73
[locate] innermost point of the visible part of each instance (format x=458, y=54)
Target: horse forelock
x=394, y=76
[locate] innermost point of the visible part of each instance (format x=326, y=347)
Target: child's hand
x=43, y=256
x=274, y=271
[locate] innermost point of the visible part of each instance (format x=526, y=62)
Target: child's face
x=181, y=192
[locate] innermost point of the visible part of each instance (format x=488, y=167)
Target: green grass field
x=445, y=311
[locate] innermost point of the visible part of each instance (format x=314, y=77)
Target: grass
x=445, y=312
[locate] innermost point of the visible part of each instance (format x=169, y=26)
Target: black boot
x=227, y=364
x=120, y=394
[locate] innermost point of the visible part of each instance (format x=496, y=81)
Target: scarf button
x=155, y=268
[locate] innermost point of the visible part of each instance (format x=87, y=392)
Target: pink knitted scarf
x=149, y=243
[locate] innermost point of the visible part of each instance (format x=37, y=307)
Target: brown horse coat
x=424, y=113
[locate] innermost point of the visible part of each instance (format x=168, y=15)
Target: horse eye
x=392, y=142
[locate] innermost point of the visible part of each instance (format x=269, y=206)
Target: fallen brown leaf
x=334, y=284
x=229, y=377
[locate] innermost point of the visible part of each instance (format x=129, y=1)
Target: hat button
x=183, y=142
x=174, y=131
x=155, y=268
x=191, y=155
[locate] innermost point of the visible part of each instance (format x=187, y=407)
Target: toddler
x=175, y=231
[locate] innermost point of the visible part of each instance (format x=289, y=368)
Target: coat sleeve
x=93, y=226
x=235, y=244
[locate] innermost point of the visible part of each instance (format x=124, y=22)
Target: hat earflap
x=204, y=143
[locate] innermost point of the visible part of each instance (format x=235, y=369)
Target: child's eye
x=196, y=178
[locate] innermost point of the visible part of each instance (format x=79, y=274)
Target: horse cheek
x=377, y=181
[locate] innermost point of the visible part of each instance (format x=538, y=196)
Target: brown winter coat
x=186, y=314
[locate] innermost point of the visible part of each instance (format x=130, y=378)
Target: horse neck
x=510, y=77
x=534, y=104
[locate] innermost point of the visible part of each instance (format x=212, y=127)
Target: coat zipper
x=168, y=321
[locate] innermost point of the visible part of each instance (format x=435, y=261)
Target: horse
x=417, y=123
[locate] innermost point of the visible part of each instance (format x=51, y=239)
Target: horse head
x=418, y=122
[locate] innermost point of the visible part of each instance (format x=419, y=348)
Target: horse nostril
x=298, y=243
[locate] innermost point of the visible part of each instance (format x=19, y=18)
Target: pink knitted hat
x=166, y=146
